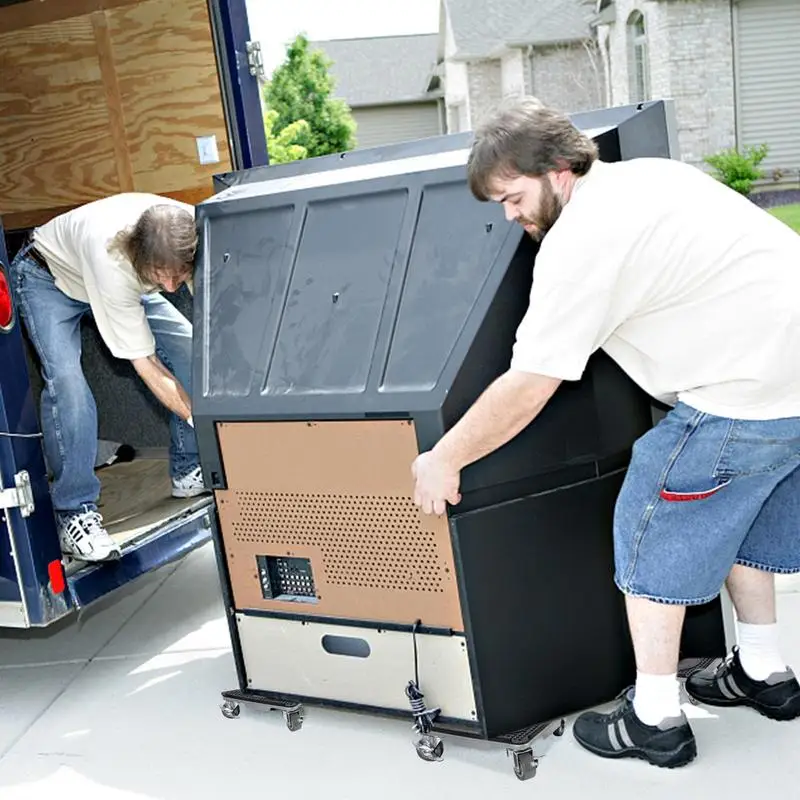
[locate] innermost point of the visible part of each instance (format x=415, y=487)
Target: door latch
x=19, y=496
x=255, y=59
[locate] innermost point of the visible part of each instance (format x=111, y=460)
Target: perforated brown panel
x=368, y=542
x=338, y=494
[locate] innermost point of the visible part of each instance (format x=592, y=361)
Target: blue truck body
x=37, y=588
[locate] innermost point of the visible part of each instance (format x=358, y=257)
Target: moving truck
x=99, y=97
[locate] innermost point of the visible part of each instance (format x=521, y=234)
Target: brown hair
x=164, y=238
x=524, y=137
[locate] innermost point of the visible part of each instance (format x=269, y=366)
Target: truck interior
x=135, y=498
x=103, y=97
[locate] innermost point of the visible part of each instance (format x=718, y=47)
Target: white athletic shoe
x=83, y=537
x=189, y=485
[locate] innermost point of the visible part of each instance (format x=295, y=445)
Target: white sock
x=656, y=697
x=758, y=650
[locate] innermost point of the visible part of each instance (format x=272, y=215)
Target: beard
x=550, y=208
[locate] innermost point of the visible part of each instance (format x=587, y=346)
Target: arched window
x=638, y=62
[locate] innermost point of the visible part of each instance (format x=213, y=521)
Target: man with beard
x=695, y=292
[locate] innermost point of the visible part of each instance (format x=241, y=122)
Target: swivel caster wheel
x=230, y=709
x=559, y=731
x=430, y=748
x=294, y=720
x=524, y=764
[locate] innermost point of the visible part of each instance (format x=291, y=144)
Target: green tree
x=300, y=89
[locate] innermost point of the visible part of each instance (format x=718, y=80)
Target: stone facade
x=690, y=59
x=568, y=77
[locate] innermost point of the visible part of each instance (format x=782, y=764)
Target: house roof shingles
x=482, y=28
x=380, y=70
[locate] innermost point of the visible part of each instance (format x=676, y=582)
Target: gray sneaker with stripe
x=621, y=734
x=727, y=684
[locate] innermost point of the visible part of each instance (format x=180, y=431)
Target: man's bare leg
x=753, y=595
x=656, y=633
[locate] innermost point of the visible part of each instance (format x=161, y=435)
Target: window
x=638, y=63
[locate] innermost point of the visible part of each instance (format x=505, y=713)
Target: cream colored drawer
x=356, y=665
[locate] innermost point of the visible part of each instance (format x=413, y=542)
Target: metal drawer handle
x=345, y=646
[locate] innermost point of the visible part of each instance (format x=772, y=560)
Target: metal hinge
x=20, y=496
x=255, y=59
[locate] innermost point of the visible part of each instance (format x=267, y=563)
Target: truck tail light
x=6, y=310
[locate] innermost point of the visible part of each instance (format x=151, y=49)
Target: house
x=492, y=49
x=390, y=84
x=731, y=66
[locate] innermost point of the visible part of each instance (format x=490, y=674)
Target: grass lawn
x=788, y=214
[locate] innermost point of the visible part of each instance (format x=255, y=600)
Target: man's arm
x=164, y=385
x=504, y=409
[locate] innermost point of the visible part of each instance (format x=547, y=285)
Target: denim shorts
x=703, y=493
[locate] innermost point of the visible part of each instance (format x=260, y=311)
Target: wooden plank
x=55, y=144
x=105, y=55
x=169, y=85
x=42, y=12
x=107, y=102
x=29, y=219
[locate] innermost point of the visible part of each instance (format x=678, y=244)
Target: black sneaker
x=621, y=734
x=727, y=684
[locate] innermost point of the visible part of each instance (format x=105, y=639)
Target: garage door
x=768, y=79
x=379, y=125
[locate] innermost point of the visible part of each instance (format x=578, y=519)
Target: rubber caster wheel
x=230, y=710
x=559, y=731
x=525, y=764
x=430, y=748
x=294, y=720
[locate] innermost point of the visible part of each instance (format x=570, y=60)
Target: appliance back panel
x=338, y=494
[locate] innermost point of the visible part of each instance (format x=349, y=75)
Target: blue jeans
x=68, y=409
x=703, y=493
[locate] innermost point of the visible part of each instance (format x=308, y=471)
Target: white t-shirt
x=76, y=247
x=692, y=289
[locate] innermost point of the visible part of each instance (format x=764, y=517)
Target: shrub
x=738, y=170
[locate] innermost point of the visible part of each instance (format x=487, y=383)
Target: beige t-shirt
x=688, y=286
x=76, y=246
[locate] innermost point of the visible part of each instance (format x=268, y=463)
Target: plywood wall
x=103, y=96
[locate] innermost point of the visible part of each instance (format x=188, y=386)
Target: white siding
x=377, y=125
x=768, y=79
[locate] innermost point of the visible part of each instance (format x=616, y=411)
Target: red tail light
x=6, y=312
